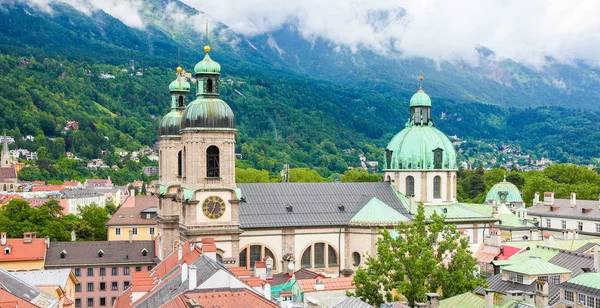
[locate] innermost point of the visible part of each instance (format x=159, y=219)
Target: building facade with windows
x=566, y=218
x=138, y=215
x=325, y=227
x=104, y=269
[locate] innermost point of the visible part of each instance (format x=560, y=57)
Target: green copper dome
x=179, y=84
x=420, y=99
x=207, y=65
x=506, y=190
x=420, y=148
x=208, y=113
x=170, y=124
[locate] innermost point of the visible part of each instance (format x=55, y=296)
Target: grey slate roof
x=25, y=291
x=580, y=288
x=352, y=302
x=313, y=204
x=86, y=253
x=586, y=247
x=564, y=209
x=573, y=261
x=8, y=173
x=498, y=285
x=206, y=268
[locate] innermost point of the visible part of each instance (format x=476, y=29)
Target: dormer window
x=100, y=253
x=7, y=250
x=144, y=252
x=63, y=254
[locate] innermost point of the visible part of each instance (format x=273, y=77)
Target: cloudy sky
x=524, y=30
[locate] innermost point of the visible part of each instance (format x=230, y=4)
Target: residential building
x=192, y=275
x=150, y=170
x=324, y=227
x=581, y=291
x=22, y=254
x=559, y=216
x=98, y=183
x=72, y=199
x=59, y=283
x=134, y=220
x=72, y=185
x=104, y=269
x=15, y=293
x=323, y=292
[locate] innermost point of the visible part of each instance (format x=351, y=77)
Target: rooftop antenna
x=178, y=57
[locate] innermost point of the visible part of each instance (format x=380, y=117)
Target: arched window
x=179, y=164
x=319, y=255
x=437, y=158
x=180, y=101
x=437, y=187
x=356, y=258
x=253, y=253
x=220, y=258
x=209, y=86
x=212, y=162
x=410, y=186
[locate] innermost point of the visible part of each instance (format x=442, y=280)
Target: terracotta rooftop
x=130, y=213
x=240, y=271
x=8, y=300
x=254, y=281
x=223, y=298
x=343, y=283
x=8, y=173
x=21, y=251
x=47, y=188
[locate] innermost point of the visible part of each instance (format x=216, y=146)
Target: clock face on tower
x=213, y=207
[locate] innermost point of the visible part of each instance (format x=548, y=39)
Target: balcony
x=212, y=180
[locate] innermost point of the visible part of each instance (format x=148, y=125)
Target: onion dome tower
x=168, y=131
x=420, y=160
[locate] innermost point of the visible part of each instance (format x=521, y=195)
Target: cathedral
x=325, y=227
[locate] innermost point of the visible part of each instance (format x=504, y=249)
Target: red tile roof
x=129, y=213
x=221, y=298
x=9, y=300
x=71, y=183
x=508, y=251
x=253, y=281
x=124, y=300
x=21, y=251
x=240, y=271
x=343, y=283
x=47, y=188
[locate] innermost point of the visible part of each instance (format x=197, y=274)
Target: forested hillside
x=51, y=67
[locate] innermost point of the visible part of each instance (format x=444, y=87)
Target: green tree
x=96, y=217
x=305, y=175
x=360, y=176
x=412, y=263
x=251, y=175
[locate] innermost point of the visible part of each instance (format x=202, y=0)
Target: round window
x=356, y=258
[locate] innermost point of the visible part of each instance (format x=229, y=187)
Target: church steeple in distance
x=5, y=154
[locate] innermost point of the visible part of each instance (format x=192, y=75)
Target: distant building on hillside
x=98, y=183
x=134, y=220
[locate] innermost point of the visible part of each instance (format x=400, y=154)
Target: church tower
x=199, y=197
x=5, y=163
x=420, y=160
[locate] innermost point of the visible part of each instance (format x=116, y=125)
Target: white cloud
x=526, y=31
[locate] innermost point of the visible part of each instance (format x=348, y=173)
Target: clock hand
x=213, y=209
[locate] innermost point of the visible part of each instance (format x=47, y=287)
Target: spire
x=5, y=153
x=421, y=78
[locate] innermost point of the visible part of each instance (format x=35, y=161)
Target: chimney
x=184, y=272
x=3, y=238
x=489, y=298
x=132, y=193
x=260, y=269
x=130, y=235
x=573, y=199
x=47, y=241
x=597, y=259
x=267, y=291
x=529, y=297
x=433, y=300
x=565, y=235
x=549, y=240
x=420, y=305
x=73, y=236
x=209, y=248
x=193, y=278
x=534, y=235
x=495, y=211
x=541, y=293
x=548, y=197
x=495, y=237
x=192, y=246
x=179, y=253
x=536, y=198
x=319, y=284
x=28, y=237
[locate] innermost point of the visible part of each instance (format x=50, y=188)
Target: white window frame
x=151, y=230
x=563, y=224
x=598, y=228
x=117, y=231
x=134, y=230
x=548, y=223
x=569, y=296
x=580, y=225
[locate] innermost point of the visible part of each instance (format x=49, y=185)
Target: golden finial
x=421, y=82
x=179, y=69
x=207, y=49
